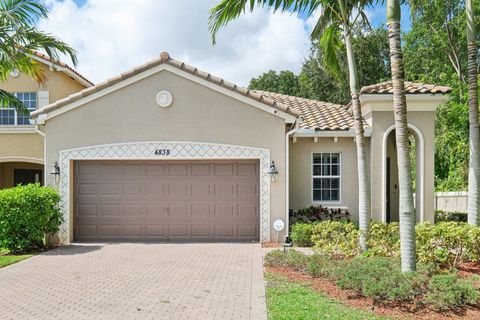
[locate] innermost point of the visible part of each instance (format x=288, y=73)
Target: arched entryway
x=390, y=174
x=15, y=171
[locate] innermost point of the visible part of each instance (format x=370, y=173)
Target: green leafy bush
x=335, y=238
x=384, y=239
x=380, y=278
x=319, y=266
x=318, y=213
x=291, y=259
x=448, y=244
x=301, y=234
x=27, y=214
x=442, y=216
x=446, y=291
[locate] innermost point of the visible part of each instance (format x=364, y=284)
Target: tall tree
x=406, y=212
x=20, y=38
x=335, y=22
x=474, y=134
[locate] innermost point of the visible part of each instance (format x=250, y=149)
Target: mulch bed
x=392, y=310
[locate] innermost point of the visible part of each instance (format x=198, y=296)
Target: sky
x=112, y=36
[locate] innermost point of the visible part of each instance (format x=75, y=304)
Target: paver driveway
x=137, y=281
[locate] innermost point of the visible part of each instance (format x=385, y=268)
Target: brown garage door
x=166, y=200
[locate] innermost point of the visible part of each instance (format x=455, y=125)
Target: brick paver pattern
x=137, y=281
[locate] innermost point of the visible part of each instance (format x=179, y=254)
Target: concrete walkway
x=137, y=281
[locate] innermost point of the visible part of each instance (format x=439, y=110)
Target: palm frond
x=331, y=44
x=229, y=10
x=8, y=100
x=21, y=12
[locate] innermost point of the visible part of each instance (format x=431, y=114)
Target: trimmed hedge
x=445, y=244
x=443, y=216
x=27, y=214
x=318, y=213
x=381, y=279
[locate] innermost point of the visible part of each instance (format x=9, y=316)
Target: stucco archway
x=420, y=183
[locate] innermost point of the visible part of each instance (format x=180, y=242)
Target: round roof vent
x=164, y=98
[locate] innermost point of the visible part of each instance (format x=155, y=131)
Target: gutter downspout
x=287, y=175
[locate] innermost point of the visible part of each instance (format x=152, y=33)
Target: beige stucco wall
x=197, y=114
x=29, y=146
x=383, y=121
x=301, y=172
x=58, y=84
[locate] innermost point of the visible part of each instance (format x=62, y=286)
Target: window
x=9, y=116
x=326, y=177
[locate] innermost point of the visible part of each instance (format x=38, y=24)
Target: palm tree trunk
x=364, y=213
x=474, y=135
x=407, y=213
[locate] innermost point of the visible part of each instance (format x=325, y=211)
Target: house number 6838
x=162, y=152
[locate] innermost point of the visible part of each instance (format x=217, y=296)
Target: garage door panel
x=224, y=231
x=204, y=231
x=247, y=169
x=156, y=188
x=225, y=189
x=224, y=169
x=134, y=209
x=166, y=200
x=247, y=231
x=176, y=189
x=86, y=210
x=201, y=189
x=178, y=230
x=201, y=210
x=178, y=169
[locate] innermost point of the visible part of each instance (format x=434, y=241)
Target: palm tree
x=407, y=213
x=474, y=134
x=336, y=21
x=19, y=39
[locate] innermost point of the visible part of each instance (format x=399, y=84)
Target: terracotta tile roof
x=63, y=65
x=410, y=88
x=316, y=114
x=166, y=59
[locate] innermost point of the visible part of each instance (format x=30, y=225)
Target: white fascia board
x=17, y=129
x=308, y=133
x=57, y=67
x=75, y=104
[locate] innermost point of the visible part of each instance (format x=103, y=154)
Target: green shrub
x=301, y=234
x=320, y=266
x=291, y=259
x=27, y=214
x=318, y=213
x=446, y=291
x=443, y=216
x=335, y=238
x=448, y=243
x=384, y=239
x=380, y=278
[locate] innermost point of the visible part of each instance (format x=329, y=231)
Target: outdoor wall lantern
x=56, y=171
x=273, y=172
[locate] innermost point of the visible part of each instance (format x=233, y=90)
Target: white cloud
x=112, y=36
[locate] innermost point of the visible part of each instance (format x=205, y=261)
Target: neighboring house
x=168, y=152
x=21, y=146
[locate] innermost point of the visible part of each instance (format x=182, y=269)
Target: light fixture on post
x=56, y=171
x=273, y=172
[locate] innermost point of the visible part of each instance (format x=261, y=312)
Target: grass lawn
x=6, y=259
x=292, y=300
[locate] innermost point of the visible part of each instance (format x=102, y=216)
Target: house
x=168, y=152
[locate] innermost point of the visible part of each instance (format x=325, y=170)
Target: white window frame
x=339, y=176
x=16, y=114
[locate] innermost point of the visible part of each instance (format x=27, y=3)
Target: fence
x=451, y=201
